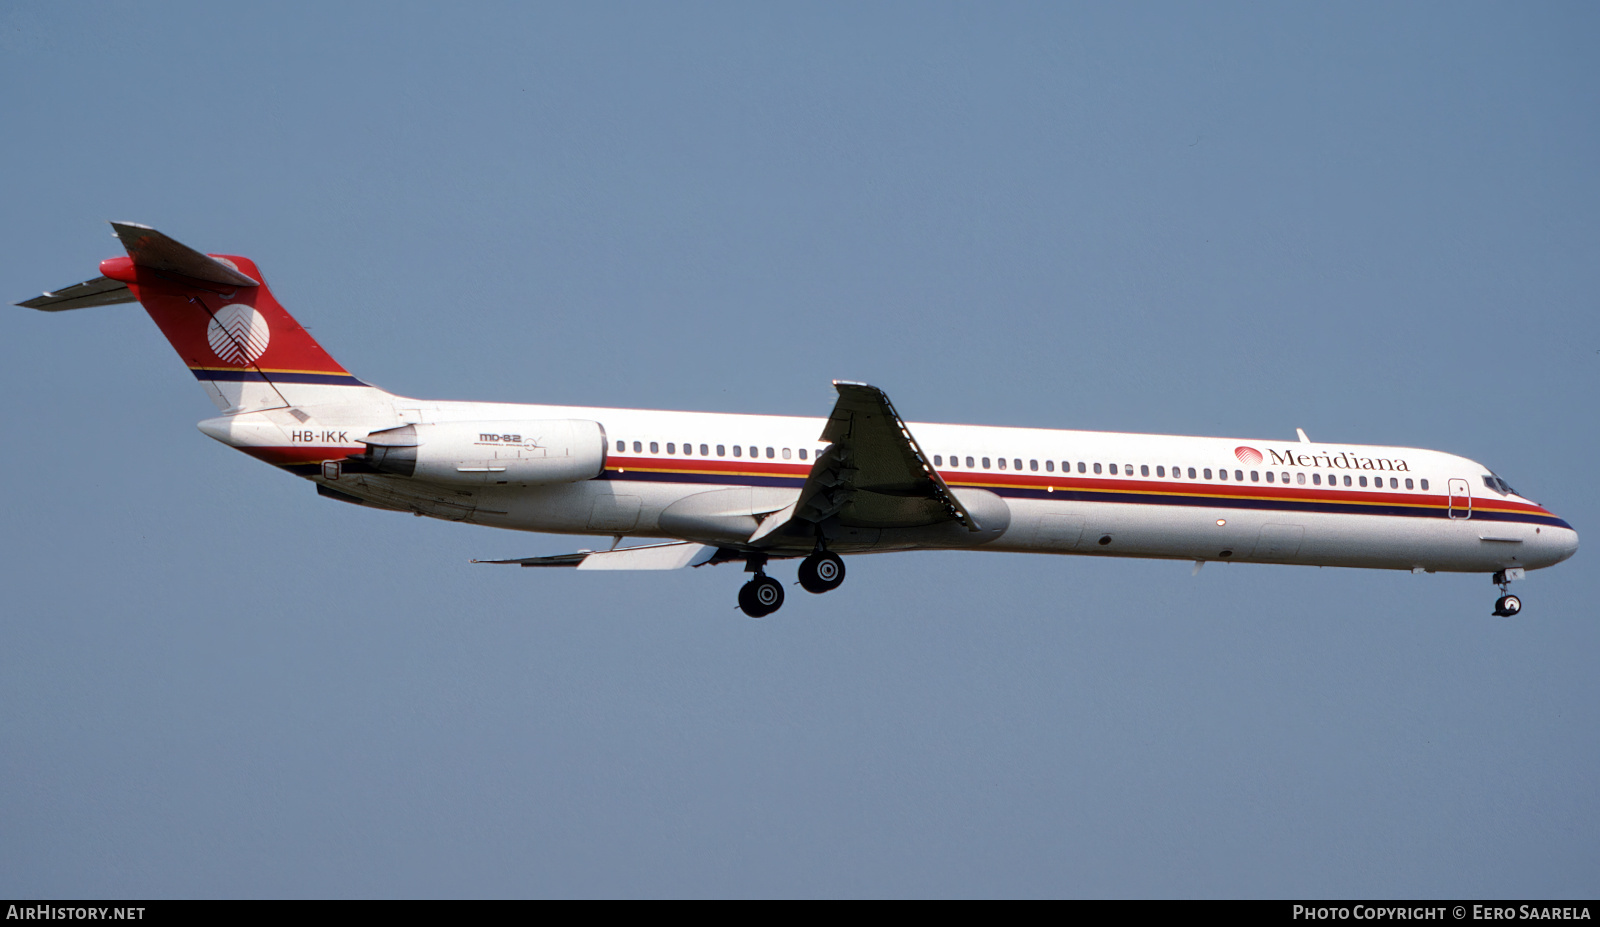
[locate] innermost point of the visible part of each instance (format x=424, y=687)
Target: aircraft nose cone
x=1564, y=544
x=1552, y=545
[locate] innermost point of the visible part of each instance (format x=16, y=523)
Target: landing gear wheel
x=761, y=597
x=821, y=572
x=1507, y=606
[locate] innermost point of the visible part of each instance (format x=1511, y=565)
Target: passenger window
x=655, y=448
x=1423, y=484
x=802, y=453
x=1084, y=468
x=1191, y=473
x=1394, y=483
x=1113, y=469
x=1002, y=463
x=1238, y=475
x=738, y=451
x=671, y=448
x=1128, y=469
x=985, y=463
x=1144, y=469
x=969, y=463
x=1269, y=475
x=785, y=453
x=1408, y=482
x=1222, y=474
x=1207, y=472
x=1050, y=466
x=1033, y=465
x=722, y=450
x=1097, y=468
x=637, y=447
x=705, y=451
x=1363, y=482
x=1161, y=471
x=936, y=461
x=1255, y=477
x=621, y=446
x=755, y=451
x=1016, y=463
x=1347, y=479
x=1316, y=479
x=1286, y=477
x=688, y=449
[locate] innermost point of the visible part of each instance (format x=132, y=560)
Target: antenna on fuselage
x=1302, y=433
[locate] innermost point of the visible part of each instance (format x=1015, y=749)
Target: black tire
x=761, y=597
x=821, y=573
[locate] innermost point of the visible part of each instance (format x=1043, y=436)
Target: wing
x=674, y=555
x=872, y=475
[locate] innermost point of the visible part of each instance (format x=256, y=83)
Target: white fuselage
x=1096, y=493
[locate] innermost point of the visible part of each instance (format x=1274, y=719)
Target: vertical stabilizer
x=222, y=319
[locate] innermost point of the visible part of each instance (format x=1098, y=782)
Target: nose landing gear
x=1507, y=605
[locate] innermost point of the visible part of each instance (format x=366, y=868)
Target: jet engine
x=490, y=453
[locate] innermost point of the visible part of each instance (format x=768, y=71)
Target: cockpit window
x=1498, y=485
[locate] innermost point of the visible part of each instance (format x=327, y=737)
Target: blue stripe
x=251, y=375
x=723, y=479
x=1069, y=495
x=1082, y=495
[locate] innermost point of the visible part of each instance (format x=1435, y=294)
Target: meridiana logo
x=238, y=335
x=1247, y=455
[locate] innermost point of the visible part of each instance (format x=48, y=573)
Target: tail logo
x=238, y=335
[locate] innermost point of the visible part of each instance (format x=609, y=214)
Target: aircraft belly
x=1262, y=536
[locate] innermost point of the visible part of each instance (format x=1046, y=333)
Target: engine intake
x=478, y=453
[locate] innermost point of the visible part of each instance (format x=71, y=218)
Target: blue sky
x=1376, y=223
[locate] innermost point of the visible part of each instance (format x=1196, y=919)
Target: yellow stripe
x=325, y=373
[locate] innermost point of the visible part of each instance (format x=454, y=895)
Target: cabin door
x=1460, y=499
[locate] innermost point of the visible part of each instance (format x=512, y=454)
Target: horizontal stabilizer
x=672, y=556
x=149, y=248
x=101, y=291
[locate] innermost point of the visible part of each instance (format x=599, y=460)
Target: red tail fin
x=224, y=322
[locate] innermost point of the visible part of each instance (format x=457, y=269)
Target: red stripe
x=299, y=454
x=1040, y=481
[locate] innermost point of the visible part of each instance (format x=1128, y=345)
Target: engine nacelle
x=480, y=453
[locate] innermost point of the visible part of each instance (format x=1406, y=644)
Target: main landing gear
x=821, y=572
x=1507, y=605
x=763, y=595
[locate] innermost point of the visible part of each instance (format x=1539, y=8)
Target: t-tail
x=248, y=353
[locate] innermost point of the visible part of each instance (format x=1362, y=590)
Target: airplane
x=710, y=488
